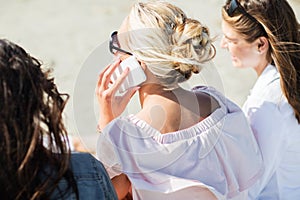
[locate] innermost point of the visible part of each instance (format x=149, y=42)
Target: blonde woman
x=265, y=35
x=192, y=144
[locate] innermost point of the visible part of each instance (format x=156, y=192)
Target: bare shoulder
x=199, y=103
x=207, y=103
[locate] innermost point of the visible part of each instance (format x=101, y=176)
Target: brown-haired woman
x=265, y=35
x=35, y=160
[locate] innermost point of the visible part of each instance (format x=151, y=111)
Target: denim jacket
x=91, y=178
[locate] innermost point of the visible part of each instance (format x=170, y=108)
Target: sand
x=71, y=37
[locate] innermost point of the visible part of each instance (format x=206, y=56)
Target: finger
x=117, y=61
x=120, y=79
x=104, y=76
x=109, y=69
x=101, y=85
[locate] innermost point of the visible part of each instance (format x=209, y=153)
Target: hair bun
x=192, y=44
x=173, y=47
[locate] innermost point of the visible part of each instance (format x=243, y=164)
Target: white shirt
x=219, y=153
x=278, y=135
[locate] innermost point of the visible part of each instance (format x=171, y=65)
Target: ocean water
x=71, y=37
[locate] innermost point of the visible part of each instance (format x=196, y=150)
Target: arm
x=122, y=186
x=111, y=106
x=268, y=126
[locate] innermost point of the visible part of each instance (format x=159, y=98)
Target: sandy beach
x=70, y=36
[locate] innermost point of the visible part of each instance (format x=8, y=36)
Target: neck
x=160, y=107
x=153, y=90
x=261, y=66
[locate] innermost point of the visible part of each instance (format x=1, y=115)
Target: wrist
x=103, y=121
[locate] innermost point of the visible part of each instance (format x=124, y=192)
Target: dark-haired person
x=183, y=143
x=265, y=35
x=35, y=159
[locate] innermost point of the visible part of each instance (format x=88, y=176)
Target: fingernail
x=137, y=88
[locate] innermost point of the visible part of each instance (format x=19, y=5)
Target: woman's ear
x=262, y=44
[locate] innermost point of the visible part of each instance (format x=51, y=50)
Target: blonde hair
x=172, y=45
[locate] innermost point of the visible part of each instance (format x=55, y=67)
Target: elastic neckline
x=212, y=121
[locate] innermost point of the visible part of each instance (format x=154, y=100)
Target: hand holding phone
x=135, y=77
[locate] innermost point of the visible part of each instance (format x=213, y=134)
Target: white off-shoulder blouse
x=219, y=153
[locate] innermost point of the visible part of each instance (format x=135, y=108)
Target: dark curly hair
x=34, y=147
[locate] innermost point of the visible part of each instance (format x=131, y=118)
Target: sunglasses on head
x=114, y=45
x=233, y=5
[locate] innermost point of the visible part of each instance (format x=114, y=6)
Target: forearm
x=122, y=185
x=103, y=121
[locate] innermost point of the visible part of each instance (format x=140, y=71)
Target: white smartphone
x=135, y=77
